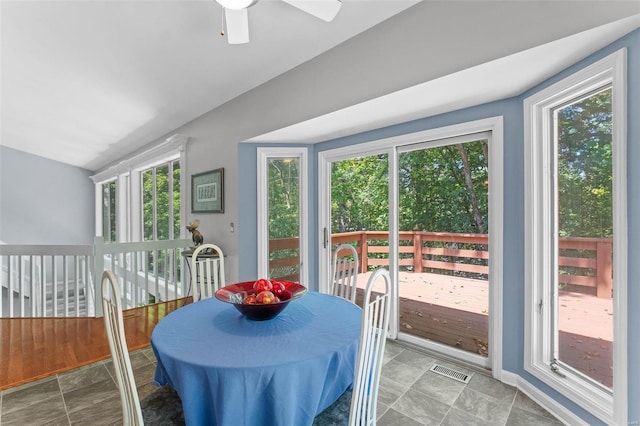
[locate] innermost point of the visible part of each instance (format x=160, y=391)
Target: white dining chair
x=161, y=406
x=344, y=280
x=373, y=336
x=207, y=271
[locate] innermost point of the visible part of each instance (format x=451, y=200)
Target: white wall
x=44, y=201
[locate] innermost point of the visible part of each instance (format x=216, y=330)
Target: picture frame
x=207, y=192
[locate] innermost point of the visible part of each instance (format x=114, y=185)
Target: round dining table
x=230, y=370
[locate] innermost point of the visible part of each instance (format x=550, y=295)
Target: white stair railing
x=59, y=280
x=147, y=271
x=44, y=280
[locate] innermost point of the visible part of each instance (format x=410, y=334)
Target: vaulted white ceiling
x=80, y=78
x=87, y=82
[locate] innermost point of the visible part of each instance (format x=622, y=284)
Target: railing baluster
x=77, y=278
x=146, y=274
x=54, y=284
x=34, y=292
x=165, y=274
x=136, y=269
x=43, y=288
x=11, y=280
x=43, y=275
x=21, y=281
x=65, y=273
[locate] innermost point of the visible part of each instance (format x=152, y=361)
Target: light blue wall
x=44, y=201
x=512, y=111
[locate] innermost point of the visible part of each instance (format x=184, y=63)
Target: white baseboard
x=542, y=399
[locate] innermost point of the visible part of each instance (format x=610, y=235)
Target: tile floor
x=409, y=395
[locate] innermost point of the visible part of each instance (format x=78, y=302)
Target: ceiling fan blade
x=323, y=9
x=237, y=25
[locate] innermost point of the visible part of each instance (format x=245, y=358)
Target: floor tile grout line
x=453, y=403
x=435, y=360
x=64, y=402
x=513, y=401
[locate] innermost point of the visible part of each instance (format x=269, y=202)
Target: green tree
x=360, y=194
x=585, y=167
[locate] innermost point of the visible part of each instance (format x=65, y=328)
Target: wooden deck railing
x=584, y=264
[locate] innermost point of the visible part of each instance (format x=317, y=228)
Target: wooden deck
x=455, y=311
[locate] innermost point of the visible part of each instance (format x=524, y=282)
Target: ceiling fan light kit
x=237, y=18
x=236, y=4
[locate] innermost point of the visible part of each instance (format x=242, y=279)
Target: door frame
x=264, y=154
x=391, y=146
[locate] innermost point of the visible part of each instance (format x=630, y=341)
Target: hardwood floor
x=33, y=348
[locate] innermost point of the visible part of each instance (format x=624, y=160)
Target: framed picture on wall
x=207, y=192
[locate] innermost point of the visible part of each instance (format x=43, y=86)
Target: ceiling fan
x=237, y=18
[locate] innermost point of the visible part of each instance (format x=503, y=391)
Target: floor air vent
x=450, y=373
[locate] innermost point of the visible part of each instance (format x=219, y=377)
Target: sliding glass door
x=444, y=243
x=420, y=206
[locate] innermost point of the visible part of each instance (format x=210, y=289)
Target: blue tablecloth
x=229, y=370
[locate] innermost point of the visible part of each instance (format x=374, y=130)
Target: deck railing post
x=417, y=252
x=364, y=252
x=604, y=261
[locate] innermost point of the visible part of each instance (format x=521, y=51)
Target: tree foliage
x=162, y=201
x=284, y=197
x=585, y=167
x=360, y=194
x=445, y=189
x=442, y=189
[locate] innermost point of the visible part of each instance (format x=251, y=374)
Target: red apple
x=250, y=300
x=266, y=297
x=278, y=288
x=262, y=285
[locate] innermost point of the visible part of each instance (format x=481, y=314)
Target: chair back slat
x=345, y=272
x=112, y=308
x=373, y=337
x=207, y=273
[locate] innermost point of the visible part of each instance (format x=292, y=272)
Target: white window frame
x=127, y=174
x=539, y=219
x=264, y=154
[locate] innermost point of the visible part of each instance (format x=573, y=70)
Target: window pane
x=444, y=245
x=584, y=331
x=284, y=219
x=147, y=205
x=360, y=196
x=162, y=202
x=109, y=211
x=176, y=199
